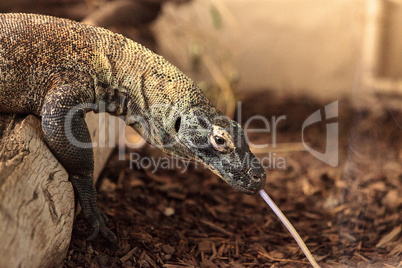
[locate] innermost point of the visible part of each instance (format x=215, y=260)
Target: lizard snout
x=251, y=182
x=257, y=180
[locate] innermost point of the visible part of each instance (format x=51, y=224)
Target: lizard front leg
x=67, y=135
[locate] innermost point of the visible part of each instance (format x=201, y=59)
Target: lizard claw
x=99, y=225
x=94, y=234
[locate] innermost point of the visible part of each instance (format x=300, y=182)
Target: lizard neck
x=136, y=74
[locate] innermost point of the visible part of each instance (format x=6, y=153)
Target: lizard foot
x=87, y=196
x=98, y=221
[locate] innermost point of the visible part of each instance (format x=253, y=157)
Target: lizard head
x=200, y=132
x=219, y=143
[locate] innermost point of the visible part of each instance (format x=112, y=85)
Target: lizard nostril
x=255, y=178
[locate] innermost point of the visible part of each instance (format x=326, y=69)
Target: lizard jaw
x=244, y=190
x=234, y=185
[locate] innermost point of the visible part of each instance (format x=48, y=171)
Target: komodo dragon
x=59, y=69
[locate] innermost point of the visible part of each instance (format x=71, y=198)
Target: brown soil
x=347, y=215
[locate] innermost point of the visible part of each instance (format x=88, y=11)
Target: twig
x=281, y=147
x=266, y=255
x=216, y=227
x=223, y=84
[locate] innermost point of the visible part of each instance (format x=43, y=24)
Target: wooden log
x=36, y=198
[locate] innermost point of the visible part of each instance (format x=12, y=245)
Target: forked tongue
x=290, y=227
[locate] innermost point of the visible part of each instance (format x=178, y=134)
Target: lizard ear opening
x=177, y=124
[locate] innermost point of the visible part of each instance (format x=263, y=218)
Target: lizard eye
x=219, y=143
x=221, y=140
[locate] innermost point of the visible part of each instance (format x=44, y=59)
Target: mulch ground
x=348, y=215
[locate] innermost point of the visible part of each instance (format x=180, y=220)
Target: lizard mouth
x=235, y=185
x=243, y=189
x=254, y=188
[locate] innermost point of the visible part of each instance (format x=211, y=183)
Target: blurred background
x=277, y=57
x=326, y=49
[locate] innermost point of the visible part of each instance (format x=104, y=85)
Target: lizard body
x=59, y=69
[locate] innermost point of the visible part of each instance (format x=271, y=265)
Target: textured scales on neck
x=126, y=68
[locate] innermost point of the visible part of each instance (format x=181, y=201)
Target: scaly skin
x=59, y=69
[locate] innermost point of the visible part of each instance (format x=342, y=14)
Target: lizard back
x=38, y=52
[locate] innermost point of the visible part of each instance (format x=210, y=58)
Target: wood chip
x=389, y=237
x=215, y=227
x=128, y=255
x=205, y=246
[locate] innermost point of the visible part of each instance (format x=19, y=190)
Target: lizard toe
x=109, y=235
x=104, y=217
